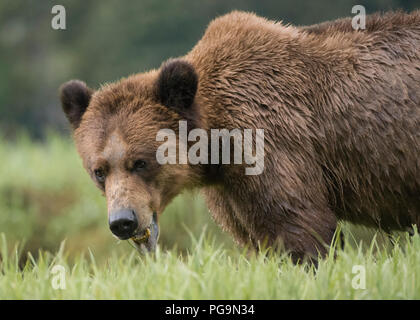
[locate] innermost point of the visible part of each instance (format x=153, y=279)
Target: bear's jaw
x=139, y=239
x=146, y=241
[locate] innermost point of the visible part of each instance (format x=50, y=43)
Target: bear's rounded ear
x=75, y=97
x=176, y=85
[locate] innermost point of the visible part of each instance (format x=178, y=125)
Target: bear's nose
x=123, y=223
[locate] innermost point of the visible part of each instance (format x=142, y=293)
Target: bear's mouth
x=146, y=240
x=139, y=239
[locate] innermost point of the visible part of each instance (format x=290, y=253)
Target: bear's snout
x=123, y=223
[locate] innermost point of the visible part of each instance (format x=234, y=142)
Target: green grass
x=211, y=272
x=46, y=200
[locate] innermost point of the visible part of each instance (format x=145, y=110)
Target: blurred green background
x=45, y=196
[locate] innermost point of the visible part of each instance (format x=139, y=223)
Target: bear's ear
x=177, y=84
x=75, y=97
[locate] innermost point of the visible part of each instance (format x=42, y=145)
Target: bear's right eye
x=100, y=175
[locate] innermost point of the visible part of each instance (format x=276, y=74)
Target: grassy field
x=51, y=216
x=208, y=271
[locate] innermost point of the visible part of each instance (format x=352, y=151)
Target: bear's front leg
x=225, y=216
x=306, y=233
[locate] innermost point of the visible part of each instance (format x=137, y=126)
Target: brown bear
x=340, y=110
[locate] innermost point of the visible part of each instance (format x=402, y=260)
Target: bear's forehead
x=108, y=103
x=117, y=129
x=127, y=94
x=116, y=137
x=115, y=148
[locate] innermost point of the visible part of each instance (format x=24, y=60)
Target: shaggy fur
x=341, y=114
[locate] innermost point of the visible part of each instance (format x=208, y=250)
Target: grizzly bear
x=340, y=110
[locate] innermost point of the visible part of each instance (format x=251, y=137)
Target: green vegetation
x=47, y=198
x=211, y=272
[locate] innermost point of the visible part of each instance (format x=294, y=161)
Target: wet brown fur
x=341, y=114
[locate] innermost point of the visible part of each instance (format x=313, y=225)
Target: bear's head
x=115, y=130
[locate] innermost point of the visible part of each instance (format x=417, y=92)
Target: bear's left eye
x=100, y=175
x=139, y=165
